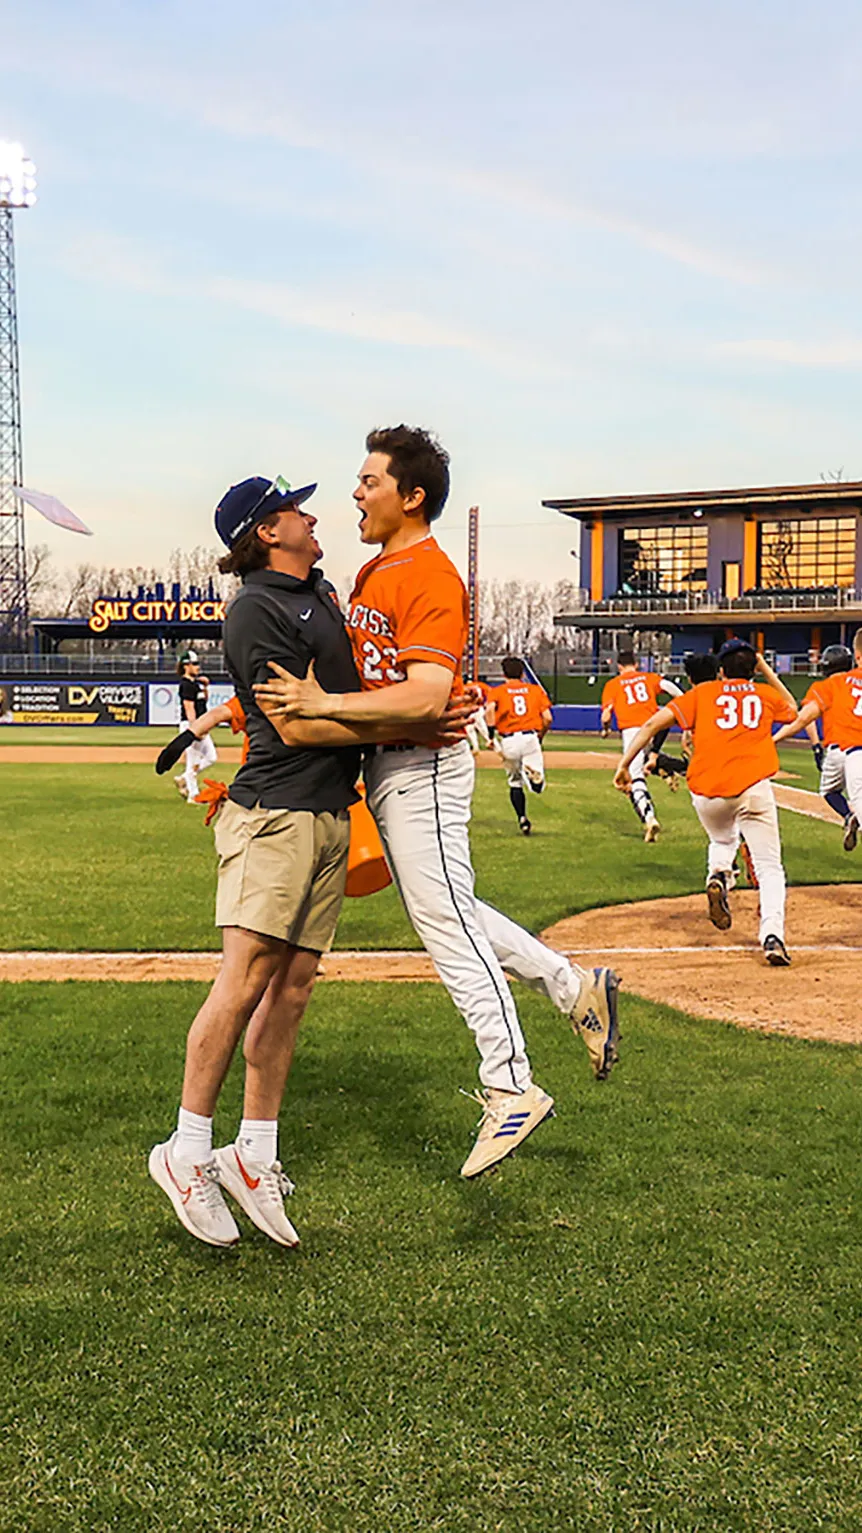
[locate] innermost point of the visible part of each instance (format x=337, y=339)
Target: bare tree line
x=71, y=592
x=515, y=616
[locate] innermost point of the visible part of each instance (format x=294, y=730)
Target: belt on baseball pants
x=374, y=750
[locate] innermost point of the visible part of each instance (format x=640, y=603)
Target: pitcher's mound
x=667, y=950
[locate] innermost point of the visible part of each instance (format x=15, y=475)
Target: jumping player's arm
x=670, y=687
x=607, y=708
x=663, y=719
x=807, y=714
x=547, y=720
x=769, y=675
x=221, y=714
x=279, y=696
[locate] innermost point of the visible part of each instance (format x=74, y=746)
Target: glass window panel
x=661, y=560
x=819, y=551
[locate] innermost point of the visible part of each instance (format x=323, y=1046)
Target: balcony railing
x=711, y=602
x=144, y=666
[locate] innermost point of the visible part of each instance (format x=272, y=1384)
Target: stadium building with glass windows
x=780, y=566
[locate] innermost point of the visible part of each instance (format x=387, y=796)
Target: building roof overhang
x=778, y=498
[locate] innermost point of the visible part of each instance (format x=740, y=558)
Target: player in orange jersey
x=520, y=712
x=407, y=619
x=633, y=697
x=733, y=758
x=837, y=699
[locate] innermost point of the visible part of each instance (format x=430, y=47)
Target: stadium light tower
x=17, y=190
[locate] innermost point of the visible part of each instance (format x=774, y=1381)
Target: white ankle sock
x=259, y=1138
x=194, y=1139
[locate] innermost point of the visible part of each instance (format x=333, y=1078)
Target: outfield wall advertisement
x=73, y=702
x=96, y=702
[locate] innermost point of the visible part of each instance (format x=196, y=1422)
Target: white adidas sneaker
x=260, y=1192
x=507, y=1118
x=195, y=1194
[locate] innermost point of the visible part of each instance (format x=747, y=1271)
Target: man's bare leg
x=249, y=1169
x=249, y=962
x=271, y=1034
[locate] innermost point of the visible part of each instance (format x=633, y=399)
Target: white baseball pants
x=523, y=759
x=833, y=771
x=477, y=732
x=420, y=800
x=640, y=794
x=853, y=772
x=201, y=754
x=751, y=814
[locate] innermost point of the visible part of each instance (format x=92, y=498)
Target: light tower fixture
x=17, y=191
x=17, y=177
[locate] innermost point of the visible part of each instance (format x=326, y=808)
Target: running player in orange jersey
x=837, y=699
x=633, y=697
x=408, y=622
x=520, y=712
x=734, y=757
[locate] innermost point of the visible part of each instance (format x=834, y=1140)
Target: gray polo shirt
x=277, y=617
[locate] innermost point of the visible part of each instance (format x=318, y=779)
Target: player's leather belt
x=510, y=732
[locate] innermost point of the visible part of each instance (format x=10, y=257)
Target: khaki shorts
x=281, y=872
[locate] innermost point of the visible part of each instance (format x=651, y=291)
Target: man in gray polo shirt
x=282, y=841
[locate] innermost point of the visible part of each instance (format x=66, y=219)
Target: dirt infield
x=666, y=951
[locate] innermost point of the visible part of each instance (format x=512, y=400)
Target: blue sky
x=597, y=250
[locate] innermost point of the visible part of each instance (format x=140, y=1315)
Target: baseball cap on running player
x=732, y=647
x=248, y=502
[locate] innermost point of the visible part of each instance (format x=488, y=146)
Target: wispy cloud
x=843, y=352
x=105, y=258
x=239, y=110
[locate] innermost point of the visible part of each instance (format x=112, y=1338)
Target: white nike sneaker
x=182, y=788
x=260, y=1192
x=195, y=1194
x=651, y=829
x=536, y=780
x=507, y=1118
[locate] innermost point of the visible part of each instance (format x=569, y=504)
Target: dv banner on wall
x=73, y=702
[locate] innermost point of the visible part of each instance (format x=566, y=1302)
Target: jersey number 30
x=730, y=710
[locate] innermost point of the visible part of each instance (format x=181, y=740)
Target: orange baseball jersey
x=633, y=697
x=732, y=726
x=409, y=605
x=519, y=706
x=237, y=724
x=840, y=699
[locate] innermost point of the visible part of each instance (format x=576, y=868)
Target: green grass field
x=110, y=857
x=647, y=1320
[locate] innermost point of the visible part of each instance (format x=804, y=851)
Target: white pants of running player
x=853, y=773
x=833, y=773
x=753, y=815
x=421, y=801
x=640, y=794
x=201, y=754
x=522, y=756
x=477, y=732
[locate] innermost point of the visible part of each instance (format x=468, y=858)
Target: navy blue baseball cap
x=248, y=502
x=730, y=647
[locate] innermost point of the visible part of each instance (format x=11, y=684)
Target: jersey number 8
x=751, y=710
x=519, y=705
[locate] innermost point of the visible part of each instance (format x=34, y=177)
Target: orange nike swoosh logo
x=249, y=1181
x=184, y=1192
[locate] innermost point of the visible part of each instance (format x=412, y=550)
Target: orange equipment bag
x=366, y=865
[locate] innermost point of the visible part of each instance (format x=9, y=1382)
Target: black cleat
x=716, y=894
x=525, y=825
x=776, y=953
